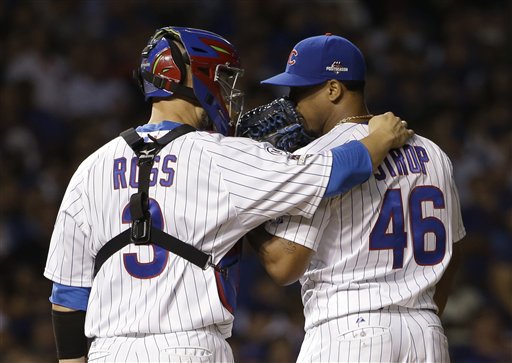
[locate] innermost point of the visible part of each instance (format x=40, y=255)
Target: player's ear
x=335, y=89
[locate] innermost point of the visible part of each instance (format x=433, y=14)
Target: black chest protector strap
x=142, y=232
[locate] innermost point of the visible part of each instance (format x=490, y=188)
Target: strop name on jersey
x=408, y=159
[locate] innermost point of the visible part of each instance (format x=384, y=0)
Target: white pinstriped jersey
x=383, y=243
x=207, y=190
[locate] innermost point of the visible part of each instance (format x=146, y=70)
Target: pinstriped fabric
x=202, y=345
x=210, y=190
x=397, y=335
x=346, y=277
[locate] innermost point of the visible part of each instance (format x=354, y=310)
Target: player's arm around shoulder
x=285, y=261
x=386, y=132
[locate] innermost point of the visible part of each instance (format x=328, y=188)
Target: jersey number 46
x=392, y=211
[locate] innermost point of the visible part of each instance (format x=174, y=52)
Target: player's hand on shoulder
x=391, y=128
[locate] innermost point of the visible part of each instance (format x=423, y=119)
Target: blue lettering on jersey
x=134, y=183
x=391, y=213
x=167, y=169
x=398, y=158
x=163, y=173
x=409, y=159
x=119, y=172
x=390, y=168
x=422, y=158
x=380, y=174
x=412, y=159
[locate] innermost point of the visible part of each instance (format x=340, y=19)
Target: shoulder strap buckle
x=141, y=218
x=141, y=230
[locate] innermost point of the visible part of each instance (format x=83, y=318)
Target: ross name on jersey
x=163, y=172
x=408, y=159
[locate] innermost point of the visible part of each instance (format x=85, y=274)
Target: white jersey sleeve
x=307, y=231
x=70, y=261
x=264, y=181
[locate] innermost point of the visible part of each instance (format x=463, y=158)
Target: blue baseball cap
x=318, y=59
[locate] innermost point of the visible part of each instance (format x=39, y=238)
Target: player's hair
x=213, y=63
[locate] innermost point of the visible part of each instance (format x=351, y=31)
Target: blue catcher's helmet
x=215, y=68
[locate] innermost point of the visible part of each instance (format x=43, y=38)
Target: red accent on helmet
x=165, y=66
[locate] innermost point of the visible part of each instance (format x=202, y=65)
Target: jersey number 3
x=393, y=212
x=153, y=268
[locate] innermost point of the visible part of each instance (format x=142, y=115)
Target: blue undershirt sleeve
x=70, y=296
x=351, y=166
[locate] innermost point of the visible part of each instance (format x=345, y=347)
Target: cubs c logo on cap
x=291, y=58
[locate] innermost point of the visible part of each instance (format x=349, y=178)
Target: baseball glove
x=277, y=122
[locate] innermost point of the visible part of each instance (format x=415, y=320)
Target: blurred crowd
x=66, y=89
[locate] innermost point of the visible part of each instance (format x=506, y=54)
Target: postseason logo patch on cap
x=336, y=67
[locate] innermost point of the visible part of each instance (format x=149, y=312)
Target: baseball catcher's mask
x=163, y=71
x=227, y=78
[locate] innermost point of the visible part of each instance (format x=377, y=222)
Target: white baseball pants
x=198, y=346
x=380, y=336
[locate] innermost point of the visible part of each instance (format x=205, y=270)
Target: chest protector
x=141, y=231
